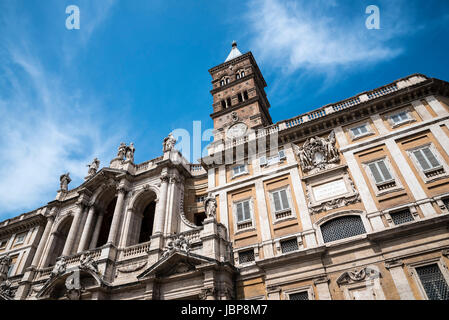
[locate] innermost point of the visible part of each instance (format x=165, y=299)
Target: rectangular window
x=401, y=217
x=246, y=256
x=380, y=172
x=400, y=117
x=11, y=266
x=3, y=244
x=280, y=200
x=446, y=203
x=243, y=211
x=426, y=159
x=264, y=161
x=433, y=282
x=239, y=170
x=20, y=238
x=199, y=199
x=289, y=245
x=299, y=296
x=359, y=131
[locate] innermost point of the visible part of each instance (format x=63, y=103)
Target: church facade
x=346, y=202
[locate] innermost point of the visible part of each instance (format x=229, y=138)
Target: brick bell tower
x=239, y=98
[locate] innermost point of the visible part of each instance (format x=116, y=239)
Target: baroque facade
x=349, y=201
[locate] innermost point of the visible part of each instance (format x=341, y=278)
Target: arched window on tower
x=227, y=80
x=239, y=96
x=242, y=74
x=237, y=76
x=222, y=83
x=228, y=102
x=245, y=95
x=223, y=104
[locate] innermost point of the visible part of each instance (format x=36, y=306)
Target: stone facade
x=349, y=201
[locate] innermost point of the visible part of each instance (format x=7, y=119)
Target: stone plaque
x=330, y=190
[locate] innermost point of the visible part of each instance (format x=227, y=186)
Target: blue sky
x=136, y=70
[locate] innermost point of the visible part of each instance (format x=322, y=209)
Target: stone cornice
x=22, y=225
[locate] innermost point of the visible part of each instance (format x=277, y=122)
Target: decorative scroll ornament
x=358, y=275
x=210, y=205
x=169, y=143
x=179, y=243
x=5, y=284
x=317, y=153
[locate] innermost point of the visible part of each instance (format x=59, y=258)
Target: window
x=289, y=245
x=223, y=104
x=239, y=170
x=446, y=203
x=199, y=199
x=280, y=200
x=341, y=228
x=264, y=161
x=228, y=102
x=3, y=244
x=359, y=131
x=380, y=172
x=239, y=96
x=227, y=80
x=243, y=211
x=20, y=238
x=199, y=218
x=400, y=117
x=11, y=266
x=246, y=256
x=245, y=95
x=426, y=159
x=433, y=282
x=242, y=74
x=299, y=296
x=222, y=83
x=237, y=76
x=401, y=217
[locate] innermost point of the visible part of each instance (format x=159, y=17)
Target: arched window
x=223, y=104
x=239, y=96
x=245, y=95
x=237, y=76
x=59, y=241
x=242, y=74
x=227, y=80
x=228, y=102
x=222, y=83
x=146, y=227
x=342, y=228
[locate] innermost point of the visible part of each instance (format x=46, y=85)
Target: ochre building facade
x=346, y=202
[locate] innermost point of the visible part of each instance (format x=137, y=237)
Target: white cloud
x=48, y=126
x=309, y=35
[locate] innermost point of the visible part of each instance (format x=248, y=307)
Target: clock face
x=236, y=131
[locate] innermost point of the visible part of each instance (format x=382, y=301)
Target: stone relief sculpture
x=210, y=205
x=317, y=153
x=121, y=151
x=64, y=181
x=357, y=275
x=179, y=243
x=93, y=167
x=5, y=262
x=126, y=152
x=59, y=268
x=169, y=143
x=88, y=263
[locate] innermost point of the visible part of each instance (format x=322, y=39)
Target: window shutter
x=375, y=173
x=277, y=202
x=247, y=211
x=239, y=212
x=383, y=168
x=422, y=161
x=284, y=199
x=432, y=159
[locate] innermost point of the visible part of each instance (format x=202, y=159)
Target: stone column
x=96, y=234
x=161, y=206
x=399, y=278
x=129, y=227
x=43, y=241
x=322, y=288
x=87, y=229
x=45, y=256
x=73, y=230
x=439, y=109
x=112, y=238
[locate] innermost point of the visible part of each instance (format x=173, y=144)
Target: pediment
x=177, y=262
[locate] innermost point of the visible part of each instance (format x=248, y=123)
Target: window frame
x=395, y=178
x=235, y=216
x=443, y=165
x=369, y=131
x=339, y=215
x=6, y=241
x=17, y=242
x=264, y=161
x=309, y=289
x=242, y=173
x=411, y=267
x=275, y=213
x=407, y=111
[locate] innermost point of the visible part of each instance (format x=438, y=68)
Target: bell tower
x=239, y=98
